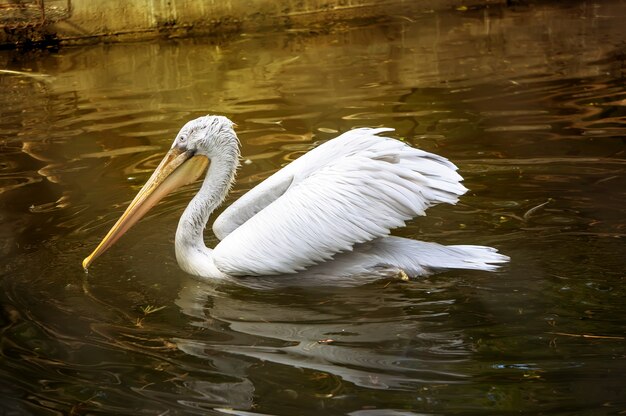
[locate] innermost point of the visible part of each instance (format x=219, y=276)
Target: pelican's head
x=208, y=136
x=198, y=141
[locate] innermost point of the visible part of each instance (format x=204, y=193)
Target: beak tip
x=86, y=263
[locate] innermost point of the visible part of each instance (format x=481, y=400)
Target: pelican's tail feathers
x=472, y=257
x=418, y=258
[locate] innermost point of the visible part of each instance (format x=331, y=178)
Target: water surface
x=528, y=101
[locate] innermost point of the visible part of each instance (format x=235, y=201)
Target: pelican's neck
x=192, y=254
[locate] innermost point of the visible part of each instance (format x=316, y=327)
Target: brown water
x=530, y=102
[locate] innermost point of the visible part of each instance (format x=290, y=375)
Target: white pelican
x=328, y=213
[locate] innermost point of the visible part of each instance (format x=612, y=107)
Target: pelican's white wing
x=350, y=190
x=347, y=144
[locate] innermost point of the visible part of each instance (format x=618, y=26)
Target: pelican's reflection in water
x=388, y=335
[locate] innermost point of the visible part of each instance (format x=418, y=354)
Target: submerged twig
x=148, y=309
x=587, y=336
x=24, y=74
x=535, y=209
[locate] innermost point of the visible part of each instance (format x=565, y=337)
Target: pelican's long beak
x=178, y=168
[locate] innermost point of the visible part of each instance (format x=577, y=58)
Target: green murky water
x=530, y=102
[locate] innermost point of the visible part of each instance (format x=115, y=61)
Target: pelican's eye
x=182, y=139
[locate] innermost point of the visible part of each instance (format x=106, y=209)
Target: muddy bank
x=41, y=22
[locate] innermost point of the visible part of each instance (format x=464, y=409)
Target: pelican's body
x=328, y=213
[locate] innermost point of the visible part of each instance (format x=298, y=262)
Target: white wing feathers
x=273, y=187
x=349, y=190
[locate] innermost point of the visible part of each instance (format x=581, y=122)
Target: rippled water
x=528, y=101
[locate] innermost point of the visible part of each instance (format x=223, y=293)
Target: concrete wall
x=85, y=21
